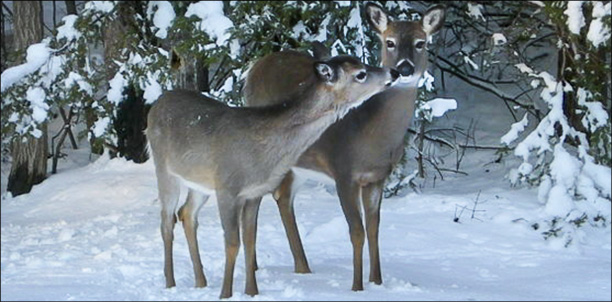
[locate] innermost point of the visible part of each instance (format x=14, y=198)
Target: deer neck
x=292, y=125
x=301, y=122
x=396, y=106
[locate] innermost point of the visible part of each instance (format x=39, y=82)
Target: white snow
x=51, y=70
x=37, y=55
x=515, y=130
x=356, y=22
x=75, y=78
x=36, y=96
x=499, y=39
x=299, y=30
x=355, y=18
x=524, y=68
x=601, y=10
x=322, y=34
x=439, y=106
x=163, y=17
x=343, y=3
x=67, y=29
x=337, y=45
x=596, y=115
x=538, y=3
x=234, y=48
x=525, y=168
x=135, y=59
x=100, y=6
x=598, y=31
x=115, y=91
x=14, y=117
x=213, y=21
x=152, y=89
x=426, y=80
x=600, y=175
x=227, y=85
x=559, y=201
x=575, y=17
x=549, y=80
x=99, y=127
x=467, y=60
x=538, y=139
x=92, y=233
x=564, y=168
x=475, y=11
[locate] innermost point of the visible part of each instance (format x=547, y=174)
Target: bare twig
x=7, y=9
x=473, y=210
x=485, y=85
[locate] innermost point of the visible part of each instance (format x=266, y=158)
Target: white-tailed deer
x=360, y=151
x=244, y=153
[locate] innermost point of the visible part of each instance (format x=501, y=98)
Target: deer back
x=277, y=77
x=248, y=150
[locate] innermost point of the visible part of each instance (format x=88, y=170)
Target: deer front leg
x=372, y=197
x=229, y=211
x=284, y=196
x=349, y=191
x=249, y=234
x=188, y=214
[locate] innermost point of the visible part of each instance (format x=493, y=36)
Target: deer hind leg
x=284, y=195
x=372, y=197
x=229, y=211
x=169, y=191
x=188, y=214
x=249, y=234
x=349, y=193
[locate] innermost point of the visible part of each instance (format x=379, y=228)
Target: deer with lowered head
x=358, y=152
x=241, y=154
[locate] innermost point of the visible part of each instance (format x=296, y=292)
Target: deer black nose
x=394, y=74
x=406, y=68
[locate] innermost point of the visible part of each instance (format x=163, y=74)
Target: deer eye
x=390, y=44
x=361, y=76
x=419, y=45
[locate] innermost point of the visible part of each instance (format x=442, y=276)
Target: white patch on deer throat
x=412, y=79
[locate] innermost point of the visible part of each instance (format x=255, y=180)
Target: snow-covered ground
x=91, y=232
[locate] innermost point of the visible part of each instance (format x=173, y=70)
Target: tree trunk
x=421, y=139
x=191, y=73
x=114, y=39
x=6, y=40
x=131, y=117
x=70, y=7
x=29, y=154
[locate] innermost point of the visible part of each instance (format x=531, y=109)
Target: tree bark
x=131, y=117
x=114, y=39
x=29, y=154
x=70, y=7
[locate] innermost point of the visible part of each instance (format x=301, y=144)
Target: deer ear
x=320, y=51
x=377, y=17
x=433, y=19
x=325, y=72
